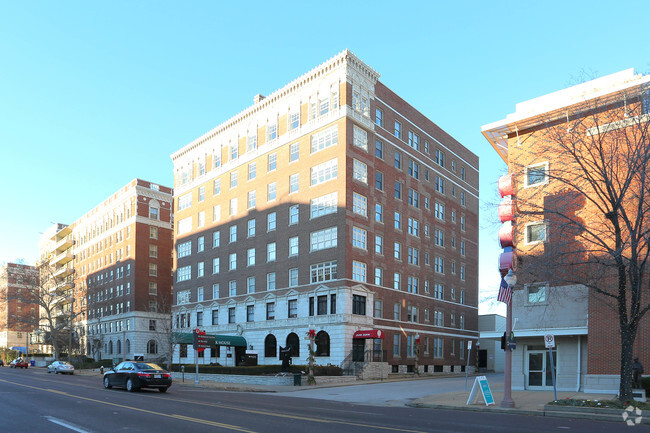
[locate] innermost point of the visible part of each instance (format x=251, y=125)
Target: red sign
x=200, y=340
x=371, y=333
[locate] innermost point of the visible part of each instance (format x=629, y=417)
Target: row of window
x=183, y=320
x=412, y=314
x=319, y=272
x=152, y=347
x=120, y=253
x=437, y=350
x=109, y=221
x=413, y=141
x=324, y=205
x=322, y=239
x=318, y=107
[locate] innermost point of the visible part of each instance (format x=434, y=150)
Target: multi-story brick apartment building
x=554, y=273
x=332, y=205
x=18, y=309
x=120, y=258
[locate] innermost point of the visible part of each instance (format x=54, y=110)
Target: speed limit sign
x=549, y=341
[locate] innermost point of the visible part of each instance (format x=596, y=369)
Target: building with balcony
x=555, y=228
x=18, y=306
x=329, y=205
x=112, y=267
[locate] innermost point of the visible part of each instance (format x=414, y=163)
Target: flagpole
x=507, y=401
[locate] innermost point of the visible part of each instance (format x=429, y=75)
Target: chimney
x=258, y=98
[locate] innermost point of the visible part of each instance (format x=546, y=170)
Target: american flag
x=505, y=293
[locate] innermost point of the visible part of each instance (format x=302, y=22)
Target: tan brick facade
x=343, y=99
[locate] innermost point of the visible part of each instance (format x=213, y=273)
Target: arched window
x=119, y=346
x=128, y=347
x=322, y=344
x=294, y=342
x=152, y=347
x=270, y=346
x=110, y=347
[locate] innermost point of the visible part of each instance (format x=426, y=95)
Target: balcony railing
x=64, y=244
x=63, y=271
x=63, y=258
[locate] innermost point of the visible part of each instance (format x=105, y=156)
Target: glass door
x=539, y=368
x=536, y=368
x=358, y=349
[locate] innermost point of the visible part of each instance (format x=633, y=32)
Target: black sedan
x=135, y=375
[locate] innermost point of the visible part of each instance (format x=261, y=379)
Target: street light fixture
x=511, y=281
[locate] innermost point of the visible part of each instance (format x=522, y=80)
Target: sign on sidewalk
x=481, y=383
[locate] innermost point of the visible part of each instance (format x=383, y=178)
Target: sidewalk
x=526, y=402
x=532, y=403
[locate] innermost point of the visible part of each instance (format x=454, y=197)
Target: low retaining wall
x=598, y=414
x=261, y=380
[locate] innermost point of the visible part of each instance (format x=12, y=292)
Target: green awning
x=219, y=340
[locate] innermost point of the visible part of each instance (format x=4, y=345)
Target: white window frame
x=537, y=301
x=359, y=171
x=527, y=240
x=545, y=181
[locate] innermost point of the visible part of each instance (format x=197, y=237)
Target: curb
x=604, y=414
x=495, y=409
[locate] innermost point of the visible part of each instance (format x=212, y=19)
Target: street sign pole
x=196, y=360
x=469, y=352
x=549, y=340
x=550, y=351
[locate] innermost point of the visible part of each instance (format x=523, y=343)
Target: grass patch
x=608, y=404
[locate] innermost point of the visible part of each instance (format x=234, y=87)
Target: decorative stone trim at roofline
x=346, y=56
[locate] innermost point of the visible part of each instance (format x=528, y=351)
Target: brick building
x=332, y=205
x=117, y=268
x=18, y=309
x=556, y=264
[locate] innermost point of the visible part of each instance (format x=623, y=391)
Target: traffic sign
x=549, y=341
x=200, y=340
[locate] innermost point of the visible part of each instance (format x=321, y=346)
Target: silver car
x=60, y=367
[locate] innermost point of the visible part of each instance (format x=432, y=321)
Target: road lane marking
x=66, y=425
x=234, y=408
x=296, y=417
x=180, y=417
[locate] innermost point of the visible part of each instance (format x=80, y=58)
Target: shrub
x=106, y=363
x=645, y=384
x=259, y=370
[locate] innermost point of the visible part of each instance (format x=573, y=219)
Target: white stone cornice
x=342, y=61
x=150, y=193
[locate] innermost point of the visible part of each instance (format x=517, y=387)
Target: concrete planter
x=598, y=414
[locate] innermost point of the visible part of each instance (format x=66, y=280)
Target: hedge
x=259, y=370
x=645, y=384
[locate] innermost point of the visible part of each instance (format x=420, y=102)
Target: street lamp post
x=511, y=281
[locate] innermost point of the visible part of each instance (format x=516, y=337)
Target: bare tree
x=56, y=316
x=596, y=207
x=164, y=334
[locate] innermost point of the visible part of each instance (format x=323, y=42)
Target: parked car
x=2, y=363
x=19, y=363
x=135, y=375
x=60, y=367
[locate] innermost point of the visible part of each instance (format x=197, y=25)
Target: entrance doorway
x=540, y=374
x=482, y=359
x=358, y=349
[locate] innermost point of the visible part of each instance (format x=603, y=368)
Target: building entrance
x=539, y=370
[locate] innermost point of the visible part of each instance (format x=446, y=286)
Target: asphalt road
x=33, y=401
x=390, y=393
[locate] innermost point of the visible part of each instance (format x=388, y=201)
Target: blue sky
x=95, y=94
